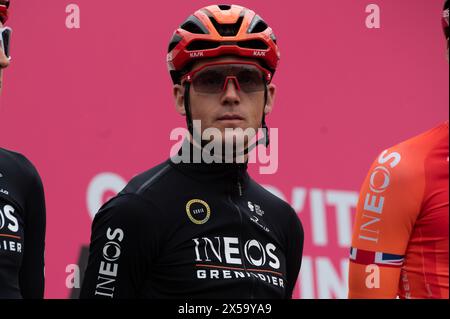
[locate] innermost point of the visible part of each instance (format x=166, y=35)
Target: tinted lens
x=212, y=79
x=209, y=81
x=251, y=80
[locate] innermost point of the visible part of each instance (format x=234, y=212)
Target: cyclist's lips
x=230, y=117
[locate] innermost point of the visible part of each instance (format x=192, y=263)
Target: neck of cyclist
x=219, y=152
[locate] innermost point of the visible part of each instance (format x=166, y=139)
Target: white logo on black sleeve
x=109, y=266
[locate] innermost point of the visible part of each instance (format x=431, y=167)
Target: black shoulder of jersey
x=11, y=159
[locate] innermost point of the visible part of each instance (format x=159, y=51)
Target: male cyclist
x=400, y=237
x=204, y=229
x=22, y=210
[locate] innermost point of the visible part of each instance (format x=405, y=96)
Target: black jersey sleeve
x=294, y=252
x=124, y=242
x=31, y=275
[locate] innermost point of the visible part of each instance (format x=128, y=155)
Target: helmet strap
x=187, y=108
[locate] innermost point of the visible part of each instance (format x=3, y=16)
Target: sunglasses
x=213, y=78
x=5, y=36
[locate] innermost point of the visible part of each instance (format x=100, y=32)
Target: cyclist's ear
x=271, y=92
x=178, y=95
x=4, y=61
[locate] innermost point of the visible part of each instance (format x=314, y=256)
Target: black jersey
x=194, y=230
x=22, y=228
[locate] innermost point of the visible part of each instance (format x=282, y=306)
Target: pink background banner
x=92, y=106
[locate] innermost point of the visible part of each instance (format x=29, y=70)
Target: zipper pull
x=240, y=188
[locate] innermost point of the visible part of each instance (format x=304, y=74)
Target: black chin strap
x=266, y=137
x=187, y=108
x=265, y=140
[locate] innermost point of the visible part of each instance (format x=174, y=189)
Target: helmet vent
x=173, y=43
x=202, y=45
x=193, y=25
x=253, y=44
x=224, y=6
x=228, y=29
x=257, y=25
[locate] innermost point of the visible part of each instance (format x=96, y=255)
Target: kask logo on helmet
x=196, y=54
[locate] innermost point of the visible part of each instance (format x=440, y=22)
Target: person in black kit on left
x=22, y=211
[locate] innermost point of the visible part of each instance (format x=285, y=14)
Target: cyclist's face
x=4, y=62
x=230, y=108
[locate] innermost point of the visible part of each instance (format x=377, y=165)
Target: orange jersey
x=400, y=236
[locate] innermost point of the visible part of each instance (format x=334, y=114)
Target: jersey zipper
x=239, y=185
x=240, y=189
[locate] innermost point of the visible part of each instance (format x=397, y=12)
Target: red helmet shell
x=220, y=30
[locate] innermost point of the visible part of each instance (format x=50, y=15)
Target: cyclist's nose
x=230, y=94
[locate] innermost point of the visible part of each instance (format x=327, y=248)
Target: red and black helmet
x=4, y=5
x=219, y=30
